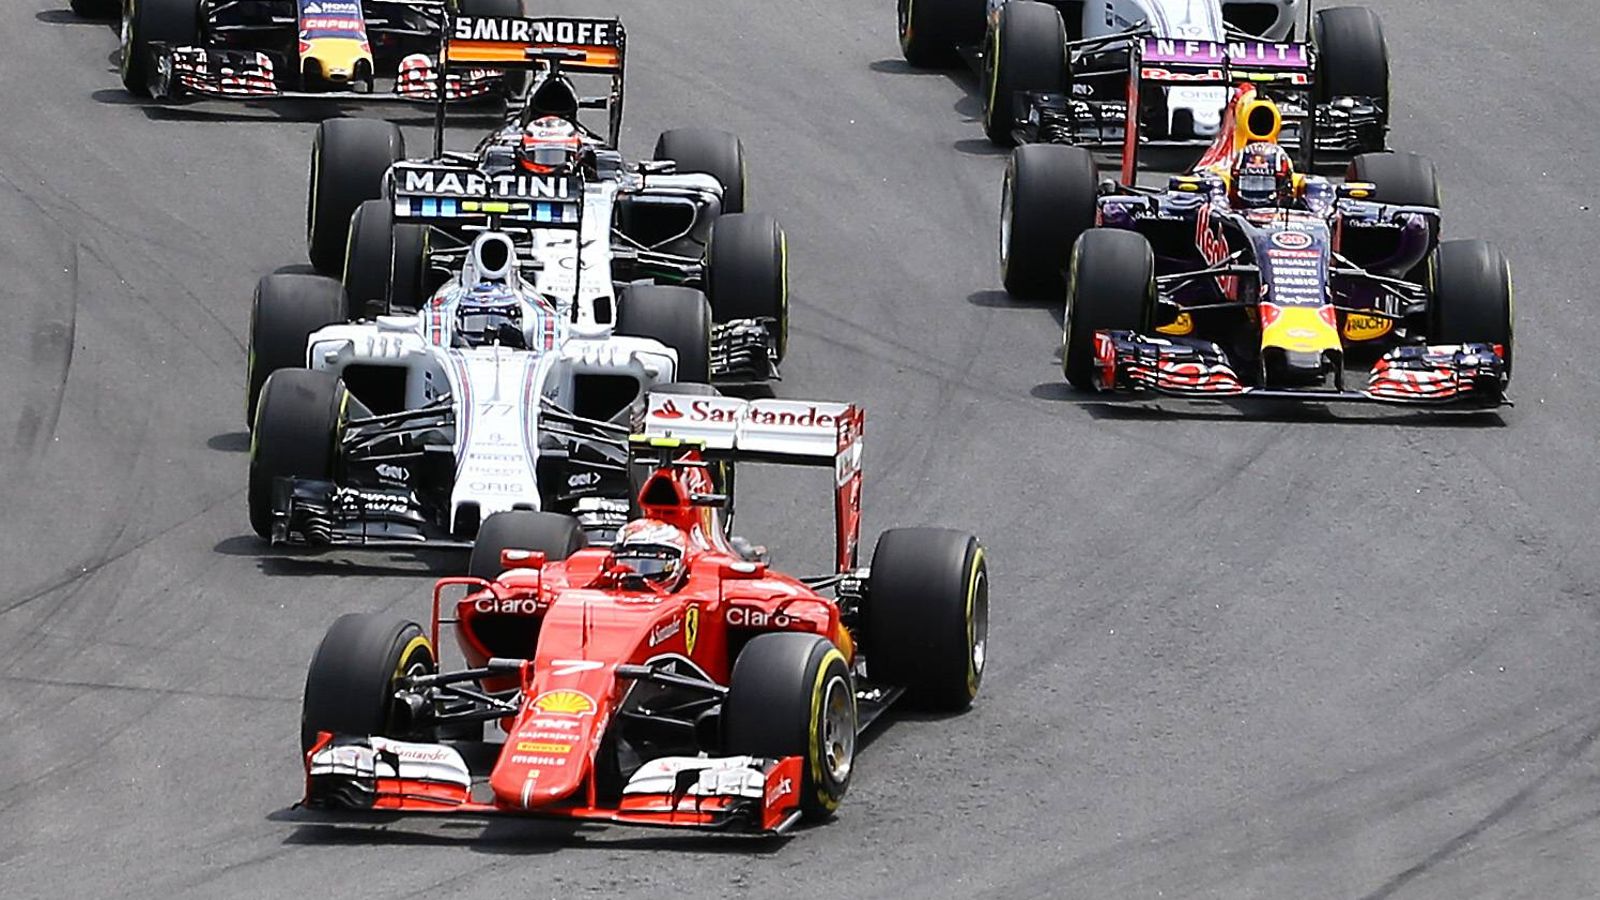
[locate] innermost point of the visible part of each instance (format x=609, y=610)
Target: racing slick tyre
x=931, y=30
x=1027, y=52
x=348, y=160
x=1047, y=201
x=706, y=151
x=1110, y=287
x=927, y=615
x=679, y=317
x=1471, y=297
x=791, y=694
x=1352, y=56
x=146, y=23
x=286, y=310
x=383, y=263
x=296, y=425
x=351, y=684
x=554, y=535
x=747, y=263
x=94, y=9
x=1402, y=179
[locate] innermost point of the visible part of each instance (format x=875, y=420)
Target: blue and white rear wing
x=445, y=193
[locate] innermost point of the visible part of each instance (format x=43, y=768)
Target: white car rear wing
x=789, y=432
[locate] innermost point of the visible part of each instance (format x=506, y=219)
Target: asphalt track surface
x=1311, y=654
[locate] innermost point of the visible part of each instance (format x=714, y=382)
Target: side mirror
x=521, y=559
x=743, y=571
x=1357, y=190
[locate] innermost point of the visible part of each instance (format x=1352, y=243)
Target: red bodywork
x=574, y=621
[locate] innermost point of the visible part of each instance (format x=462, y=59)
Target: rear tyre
x=554, y=535
x=931, y=30
x=927, y=615
x=1473, y=301
x=383, y=265
x=354, y=674
x=748, y=272
x=146, y=23
x=1110, y=287
x=1027, y=52
x=679, y=317
x=349, y=158
x=707, y=151
x=1402, y=179
x=1048, y=200
x=94, y=9
x=791, y=694
x=1352, y=55
x=286, y=310
x=296, y=425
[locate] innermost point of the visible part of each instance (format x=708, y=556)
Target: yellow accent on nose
x=1302, y=330
x=338, y=58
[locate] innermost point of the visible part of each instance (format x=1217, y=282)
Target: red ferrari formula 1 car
x=670, y=679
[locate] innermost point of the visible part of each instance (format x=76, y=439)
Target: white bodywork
x=1199, y=20
x=496, y=390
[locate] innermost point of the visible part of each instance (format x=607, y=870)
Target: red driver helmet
x=654, y=550
x=550, y=145
x=1262, y=177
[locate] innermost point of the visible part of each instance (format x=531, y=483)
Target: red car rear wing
x=787, y=432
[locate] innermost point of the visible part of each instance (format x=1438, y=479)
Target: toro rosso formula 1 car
x=296, y=49
x=1067, y=71
x=676, y=221
x=667, y=679
x=1245, y=278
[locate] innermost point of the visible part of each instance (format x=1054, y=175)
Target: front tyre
x=1471, y=297
x=147, y=23
x=927, y=615
x=747, y=262
x=354, y=674
x=791, y=694
x=679, y=317
x=1352, y=56
x=1110, y=287
x=295, y=427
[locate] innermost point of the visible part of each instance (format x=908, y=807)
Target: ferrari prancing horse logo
x=691, y=629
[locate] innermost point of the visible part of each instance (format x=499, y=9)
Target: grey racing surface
x=1298, y=653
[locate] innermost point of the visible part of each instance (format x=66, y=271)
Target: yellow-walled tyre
x=350, y=687
x=791, y=694
x=926, y=616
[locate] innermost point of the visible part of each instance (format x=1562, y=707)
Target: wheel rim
x=978, y=631
x=903, y=12
x=1005, y=223
x=126, y=63
x=838, y=730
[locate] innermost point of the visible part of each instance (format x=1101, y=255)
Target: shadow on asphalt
x=511, y=836
x=303, y=563
x=1145, y=409
x=231, y=442
x=276, y=111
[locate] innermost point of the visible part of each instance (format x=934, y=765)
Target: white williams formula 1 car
x=495, y=395
x=676, y=220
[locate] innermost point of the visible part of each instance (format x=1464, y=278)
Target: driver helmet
x=1262, y=177
x=653, y=550
x=550, y=145
x=490, y=313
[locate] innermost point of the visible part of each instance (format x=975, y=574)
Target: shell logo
x=572, y=703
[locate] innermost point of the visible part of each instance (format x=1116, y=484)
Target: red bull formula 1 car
x=298, y=49
x=1245, y=278
x=670, y=679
